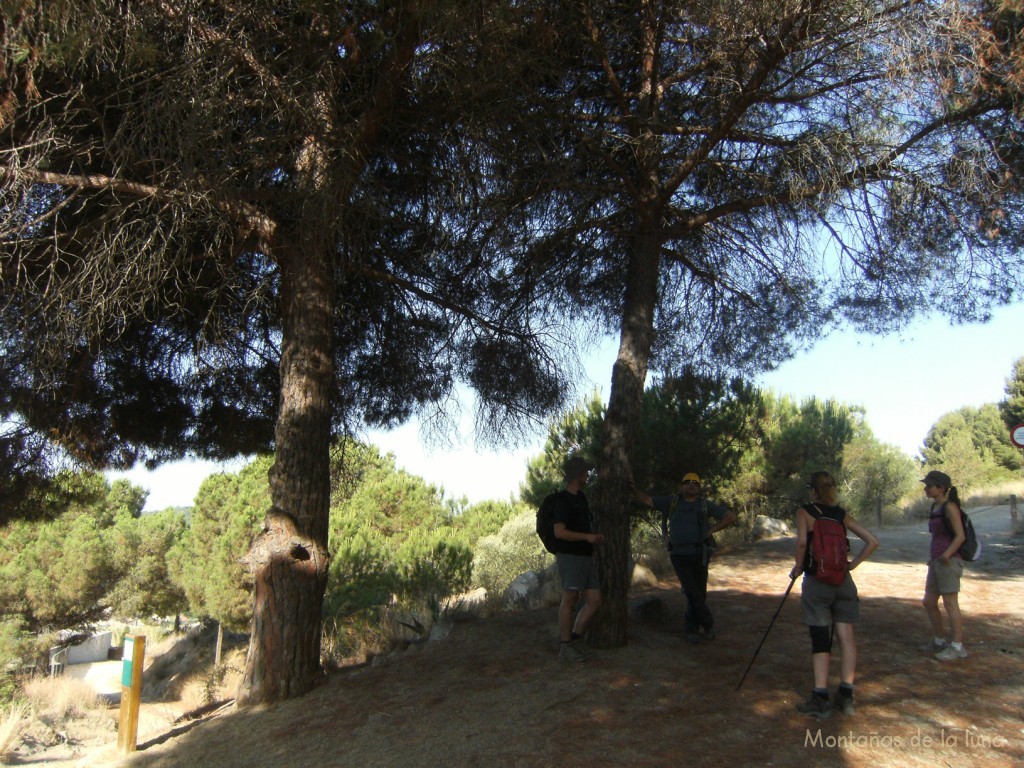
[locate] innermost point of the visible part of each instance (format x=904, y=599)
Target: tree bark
x=289, y=559
x=612, y=495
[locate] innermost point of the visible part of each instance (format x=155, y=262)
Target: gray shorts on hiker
x=577, y=572
x=823, y=604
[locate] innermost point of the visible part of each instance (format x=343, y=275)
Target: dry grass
x=56, y=700
x=998, y=494
x=12, y=723
x=52, y=712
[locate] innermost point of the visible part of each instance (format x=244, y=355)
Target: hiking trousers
x=692, y=572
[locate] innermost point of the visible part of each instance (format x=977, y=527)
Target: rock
x=642, y=576
x=440, y=630
x=520, y=591
x=651, y=610
x=769, y=527
x=533, y=589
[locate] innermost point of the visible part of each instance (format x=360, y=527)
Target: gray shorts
x=944, y=579
x=823, y=604
x=577, y=572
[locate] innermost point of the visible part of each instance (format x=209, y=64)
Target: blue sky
x=905, y=382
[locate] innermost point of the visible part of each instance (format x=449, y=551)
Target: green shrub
x=362, y=575
x=8, y=690
x=432, y=566
x=513, y=550
x=15, y=644
x=648, y=548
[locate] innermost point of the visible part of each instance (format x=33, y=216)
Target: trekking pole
x=778, y=610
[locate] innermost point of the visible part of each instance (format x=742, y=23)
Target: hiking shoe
x=816, y=705
x=932, y=647
x=843, y=704
x=566, y=652
x=582, y=648
x=949, y=653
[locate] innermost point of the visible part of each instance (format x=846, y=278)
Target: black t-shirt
x=573, y=511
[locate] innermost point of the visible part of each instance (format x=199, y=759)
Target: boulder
x=650, y=610
x=642, y=576
x=769, y=527
x=533, y=589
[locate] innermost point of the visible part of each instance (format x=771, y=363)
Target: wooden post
x=131, y=692
x=220, y=645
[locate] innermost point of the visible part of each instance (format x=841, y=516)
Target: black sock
x=821, y=693
x=577, y=636
x=846, y=689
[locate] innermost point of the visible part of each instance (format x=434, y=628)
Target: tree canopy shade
x=227, y=228
x=230, y=227
x=723, y=180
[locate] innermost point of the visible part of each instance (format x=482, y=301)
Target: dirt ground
x=494, y=693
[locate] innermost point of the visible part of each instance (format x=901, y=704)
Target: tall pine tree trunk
x=612, y=498
x=289, y=559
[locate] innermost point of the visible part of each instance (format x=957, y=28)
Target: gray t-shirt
x=687, y=520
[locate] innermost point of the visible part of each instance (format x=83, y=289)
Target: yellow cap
x=691, y=476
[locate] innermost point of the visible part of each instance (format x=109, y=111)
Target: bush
x=16, y=646
x=512, y=551
x=432, y=567
x=648, y=548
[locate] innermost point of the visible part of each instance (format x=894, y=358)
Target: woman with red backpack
x=828, y=594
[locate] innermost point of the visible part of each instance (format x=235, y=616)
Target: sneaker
x=816, y=705
x=932, y=647
x=582, y=648
x=566, y=652
x=949, y=653
x=842, y=703
x=693, y=635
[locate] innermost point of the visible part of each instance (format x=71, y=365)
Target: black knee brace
x=821, y=639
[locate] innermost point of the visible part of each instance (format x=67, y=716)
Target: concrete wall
x=93, y=649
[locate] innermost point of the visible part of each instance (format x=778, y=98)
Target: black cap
x=938, y=478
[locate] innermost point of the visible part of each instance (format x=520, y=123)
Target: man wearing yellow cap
x=685, y=527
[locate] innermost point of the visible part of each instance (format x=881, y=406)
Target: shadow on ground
x=494, y=693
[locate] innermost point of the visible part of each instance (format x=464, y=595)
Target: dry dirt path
x=493, y=693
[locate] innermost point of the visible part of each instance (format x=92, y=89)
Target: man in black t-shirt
x=577, y=570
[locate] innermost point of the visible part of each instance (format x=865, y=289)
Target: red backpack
x=829, y=547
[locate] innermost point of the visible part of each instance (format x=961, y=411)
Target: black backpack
x=546, y=523
x=970, y=550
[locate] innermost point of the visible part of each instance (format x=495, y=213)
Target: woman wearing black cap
x=945, y=566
